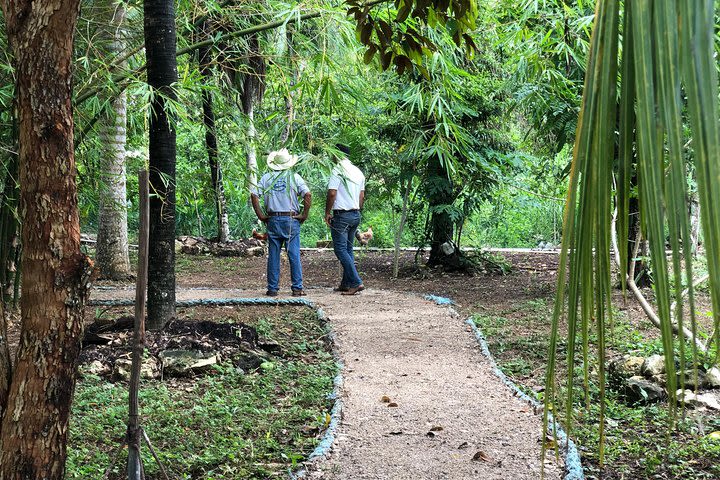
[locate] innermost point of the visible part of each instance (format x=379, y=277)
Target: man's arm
x=307, y=202
x=258, y=211
x=329, y=202
x=362, y=198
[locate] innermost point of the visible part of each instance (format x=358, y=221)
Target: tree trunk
x=161, y=74
x=205, y=61
x=289, y=100
x=252, y=91
x=642, y=273
x=442, y=248
x=401, y=228
x=251, y=154
x=112, y=242
x=694, y=224
x=55, y=273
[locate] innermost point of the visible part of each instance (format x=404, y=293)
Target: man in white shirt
x=280, y=190
x=345, y=198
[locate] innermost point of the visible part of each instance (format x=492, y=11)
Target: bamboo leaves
x=665, y=46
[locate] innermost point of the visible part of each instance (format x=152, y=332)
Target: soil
x=414, y=354
x=420, y=401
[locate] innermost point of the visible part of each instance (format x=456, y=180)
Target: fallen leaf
x=385, y=399
x=399, y=432
x=481, y=456
x=463, y=446
x=430, y=434
x=714, y=435
x=392, y=404
x=436, y=428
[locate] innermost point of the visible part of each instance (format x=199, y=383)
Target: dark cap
x=343, y=148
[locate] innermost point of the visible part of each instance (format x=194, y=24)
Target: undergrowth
x=225, y=425
x=639, y=444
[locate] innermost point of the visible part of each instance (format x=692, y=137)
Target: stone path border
x=573, y=468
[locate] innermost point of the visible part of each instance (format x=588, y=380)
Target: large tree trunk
x=55, y=273
x=112, y=241
x=205, y=61
x=442, y=249
x=161, y=74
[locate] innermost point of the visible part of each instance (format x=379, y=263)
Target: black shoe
x=298, y=292
x=341, y=288
x=271, y=293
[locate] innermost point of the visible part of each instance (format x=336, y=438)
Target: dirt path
x=445, y=405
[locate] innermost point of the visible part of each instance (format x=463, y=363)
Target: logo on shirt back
x=279, y=185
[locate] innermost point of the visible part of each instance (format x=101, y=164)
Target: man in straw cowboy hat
x=280, y=189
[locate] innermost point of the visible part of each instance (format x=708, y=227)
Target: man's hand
x=258, y=211
x=328, y=219
x=300, y=218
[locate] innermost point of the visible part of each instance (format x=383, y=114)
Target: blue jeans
x=283, y=230
x=343, y=228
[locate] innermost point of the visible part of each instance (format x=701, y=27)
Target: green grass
x=637, y=445
x=226, y=425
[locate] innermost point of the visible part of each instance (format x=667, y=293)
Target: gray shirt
x=280, y=191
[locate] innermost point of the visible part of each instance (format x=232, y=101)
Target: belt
x=343, y=211
x=281, y=214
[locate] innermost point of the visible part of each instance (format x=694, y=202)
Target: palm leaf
x=667, y=49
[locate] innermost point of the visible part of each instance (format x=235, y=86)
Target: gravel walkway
x=420, y=401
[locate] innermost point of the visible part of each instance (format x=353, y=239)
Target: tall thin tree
x=160, y=44
x=112, y=242
x=253, y=88
x=206, y=71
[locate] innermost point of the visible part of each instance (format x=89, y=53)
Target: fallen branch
x=644, y=304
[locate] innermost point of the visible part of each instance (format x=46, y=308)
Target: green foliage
x=667, y=49
x=517, y=336
x=547, y=44
x=231, y=424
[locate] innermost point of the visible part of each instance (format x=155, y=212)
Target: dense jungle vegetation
x=500, y=121
x=586, y=125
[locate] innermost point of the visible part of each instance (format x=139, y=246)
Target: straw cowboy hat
x=281, y=160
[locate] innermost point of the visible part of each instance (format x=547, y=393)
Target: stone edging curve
x=573, y=466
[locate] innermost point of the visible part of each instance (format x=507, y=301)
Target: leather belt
x=343, y=211
x=281, y=214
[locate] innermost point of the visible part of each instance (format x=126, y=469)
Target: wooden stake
x=134, y=432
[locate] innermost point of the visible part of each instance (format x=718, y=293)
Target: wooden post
x=134, y=435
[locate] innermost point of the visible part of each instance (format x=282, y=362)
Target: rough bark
x=441, y=225
x=112, y=241
x=160, y=40
x=205, y=61
x=55, y=273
